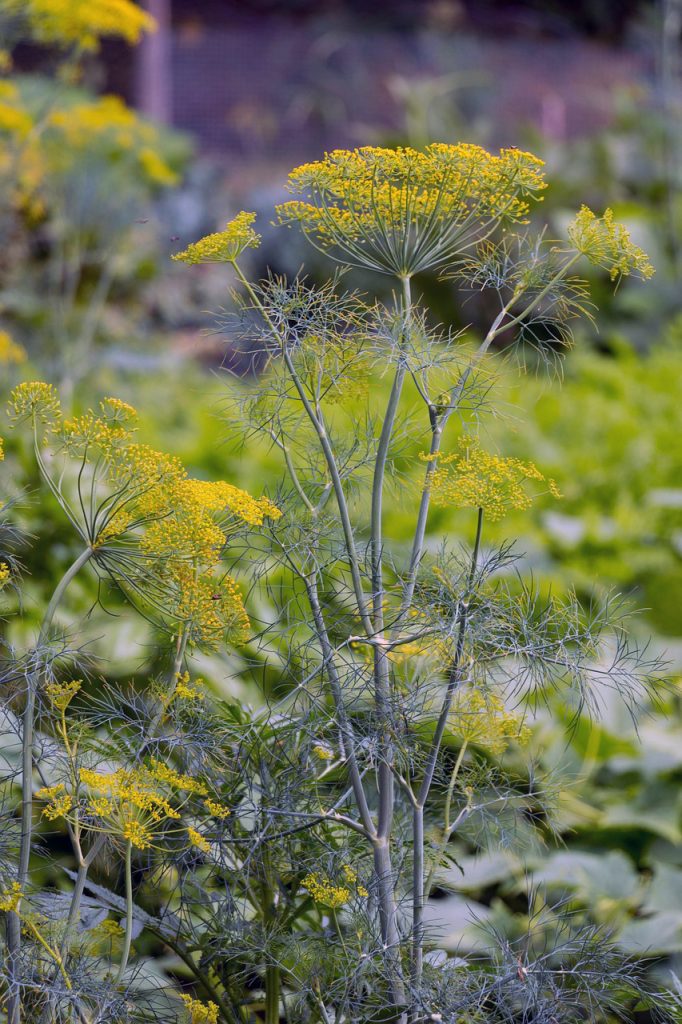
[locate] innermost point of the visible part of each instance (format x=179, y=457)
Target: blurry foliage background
x=87, y=288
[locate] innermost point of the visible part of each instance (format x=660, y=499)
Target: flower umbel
x=607, y=244
x=223, y=246
x=400, y=211
x=473, y=478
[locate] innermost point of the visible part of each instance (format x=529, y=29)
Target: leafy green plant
x=291, y=856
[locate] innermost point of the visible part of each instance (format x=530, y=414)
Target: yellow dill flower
x=200, y=1013
x=223, y=246
x=607, y=244
x=403, y=210
x=324, y=891
x=186, y=691
x=5, y=573
x=59, y=801
x=10, y=351
x=198, y=840
x=481, y=718
x=10, y=898
x=164, y=773
x=324, y=753
x=350, y=874
x=81, y=22
x=116, y=409
x=474, y=478
x=137, y=834
x=217, y=809
x=129, y=803
x=61, y=694
x=34, y=399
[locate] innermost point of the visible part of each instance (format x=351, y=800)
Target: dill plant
x=284, y=857
x=412, y=671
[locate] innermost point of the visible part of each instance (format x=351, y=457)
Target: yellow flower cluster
x=132, y=803
x=5, y=575
x=184, y=690
x=34, y=399
x=196, y=839
x=10, y=898
x=607, y=244
x=61, y=694
x=180, y=526
x=107, y=122
x=59, y=802
x=217, y=809
x=11, y=353
x=323, y=890
x=482, y=719
x=81, y=23
x=200, y=1013
x=473, y=478
x=408, y=209
x=223, y=246
x=323, y=753
x=15, y=120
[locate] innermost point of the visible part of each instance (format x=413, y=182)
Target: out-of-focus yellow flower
x=10, y=351
x=81, y=23
x=482, y=719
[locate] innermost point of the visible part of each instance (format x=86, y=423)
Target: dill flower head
x=482, y=719
x=324, y=890
x=607, y=244
x=400, y=211
x=60, y=695
x=33, y=399
x=474, y=478
x=5, y=575
x=81, y=23
x=200, y=1013
x=223, y=246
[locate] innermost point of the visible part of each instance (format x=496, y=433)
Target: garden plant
x=291, y=861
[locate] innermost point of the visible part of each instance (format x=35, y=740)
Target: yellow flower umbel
x=323, y=890
x=81, y=23
x=607, y=244
x=482, y=719
x=5, y=575
x=401, y=211
x=200, y=1013
x=473, y=478
x=153, y=529
x=223, y=246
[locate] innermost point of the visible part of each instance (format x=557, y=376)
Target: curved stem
x=127, y=940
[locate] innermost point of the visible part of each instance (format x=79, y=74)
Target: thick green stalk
x=128, y=937
x=454, y=681
x=383, y=868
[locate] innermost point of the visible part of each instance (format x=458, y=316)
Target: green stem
x=127, y=940
x=27, y=763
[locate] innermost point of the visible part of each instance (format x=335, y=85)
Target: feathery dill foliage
x=284, y=858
